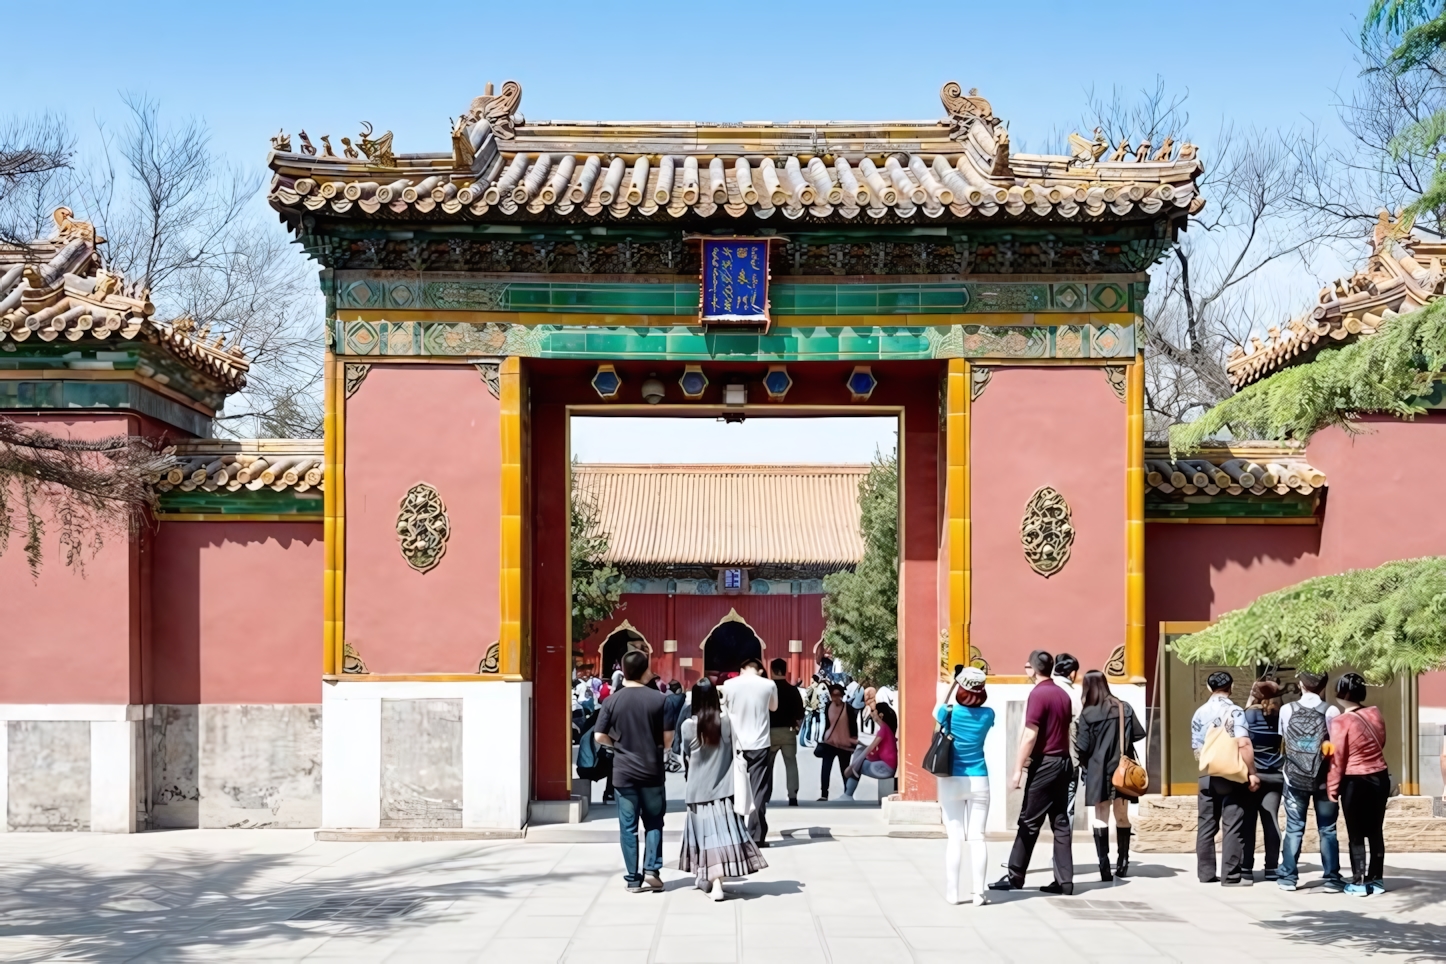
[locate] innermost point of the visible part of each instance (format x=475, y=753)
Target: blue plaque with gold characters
x=735, y=282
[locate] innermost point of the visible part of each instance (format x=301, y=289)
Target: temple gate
x=478, y=298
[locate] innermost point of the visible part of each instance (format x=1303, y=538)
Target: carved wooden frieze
x=422, y=527
x=1046, y=532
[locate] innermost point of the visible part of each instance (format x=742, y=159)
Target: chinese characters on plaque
x=735, y=281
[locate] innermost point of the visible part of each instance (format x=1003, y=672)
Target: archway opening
x=619, y=643
x=728, y=645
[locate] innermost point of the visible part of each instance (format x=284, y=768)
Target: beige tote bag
x=1220, y=756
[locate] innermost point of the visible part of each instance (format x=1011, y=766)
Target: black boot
x=1102, y=848
x=1122, y=863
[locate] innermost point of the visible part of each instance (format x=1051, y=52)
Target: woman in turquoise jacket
x=964, y=796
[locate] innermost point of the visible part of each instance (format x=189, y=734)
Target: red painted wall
x=422, y=423
x=238, y=612
x=1201, y=572
x=1062, y=427
x=74, y=635
x=1384, y=483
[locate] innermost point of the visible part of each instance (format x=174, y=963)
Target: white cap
x=971, y=678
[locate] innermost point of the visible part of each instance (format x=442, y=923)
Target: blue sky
x=248, y=69
x=251, y=68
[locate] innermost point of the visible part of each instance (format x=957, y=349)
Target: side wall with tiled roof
x=1386, y=483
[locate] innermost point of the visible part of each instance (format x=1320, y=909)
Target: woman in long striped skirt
x=716, y=843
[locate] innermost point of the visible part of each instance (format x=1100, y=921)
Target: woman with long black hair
x=716, y=842
x=840, y=736
x=1100, y=739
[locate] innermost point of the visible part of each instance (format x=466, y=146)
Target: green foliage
x=861, y=608
x=1381, y=621
x=1417, y=29
x=596, y=585
x=1387, y=372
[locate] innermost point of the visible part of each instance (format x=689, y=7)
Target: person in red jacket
x=1360, y=781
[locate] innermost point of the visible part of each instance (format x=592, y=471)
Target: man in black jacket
x=783, y=726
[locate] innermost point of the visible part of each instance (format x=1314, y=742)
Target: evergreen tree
x=861, y=608
x=597, y=586
x=1416, y=32
x=1393, y=371
x=1382, y=621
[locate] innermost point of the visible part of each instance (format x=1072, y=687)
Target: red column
x=918, y=589
x=796, y=632
x=551, y=620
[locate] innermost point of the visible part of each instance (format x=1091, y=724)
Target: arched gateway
x=479, y=297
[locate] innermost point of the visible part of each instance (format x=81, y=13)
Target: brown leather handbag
x=1130, y=778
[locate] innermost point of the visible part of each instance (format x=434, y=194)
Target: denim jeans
x=1325, y=822
x=649, y=803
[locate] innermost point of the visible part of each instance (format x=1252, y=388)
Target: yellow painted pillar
x=956, y=442
x=1135, y=520
x=331, y=579
x=511, y=600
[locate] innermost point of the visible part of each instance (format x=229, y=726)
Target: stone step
x=1166, y=825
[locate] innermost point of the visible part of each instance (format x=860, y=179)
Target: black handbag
x=939, y=758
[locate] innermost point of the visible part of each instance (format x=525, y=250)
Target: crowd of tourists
x=1308, y=753
x=726, y=736
x=1073, y=727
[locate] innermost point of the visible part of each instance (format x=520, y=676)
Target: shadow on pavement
x=1414, y=940
x=206, y=900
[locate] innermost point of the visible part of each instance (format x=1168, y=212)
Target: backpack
x=1305, y=763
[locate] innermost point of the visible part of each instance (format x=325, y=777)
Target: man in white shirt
x=748, y=698
x=1221, y=803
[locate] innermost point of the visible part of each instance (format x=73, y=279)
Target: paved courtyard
x=280, y=896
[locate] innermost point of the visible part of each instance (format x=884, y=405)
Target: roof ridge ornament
x=69, y=229
x=964, y=110
x=499, y=110
x=379, y=150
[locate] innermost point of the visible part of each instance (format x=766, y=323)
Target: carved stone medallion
x=1115, y=665
x=1118, y=379
x=491, y=373
x=350, y=661
x=492, y=661
x=422, y=527
x=1046, y=532
x=978, y=381
x=355, y=375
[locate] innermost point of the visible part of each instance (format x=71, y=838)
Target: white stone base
x=496, y=750
x=571, y=810
x=112, y=763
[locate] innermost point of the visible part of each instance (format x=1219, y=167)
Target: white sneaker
x=980, y=900
x=716, y=891
x=950, y=898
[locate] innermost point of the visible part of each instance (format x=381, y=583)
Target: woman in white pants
x=964, y=796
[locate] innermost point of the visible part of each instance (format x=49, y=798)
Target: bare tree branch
x=32, y=152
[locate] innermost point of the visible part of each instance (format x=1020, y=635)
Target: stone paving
x=282, y=896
